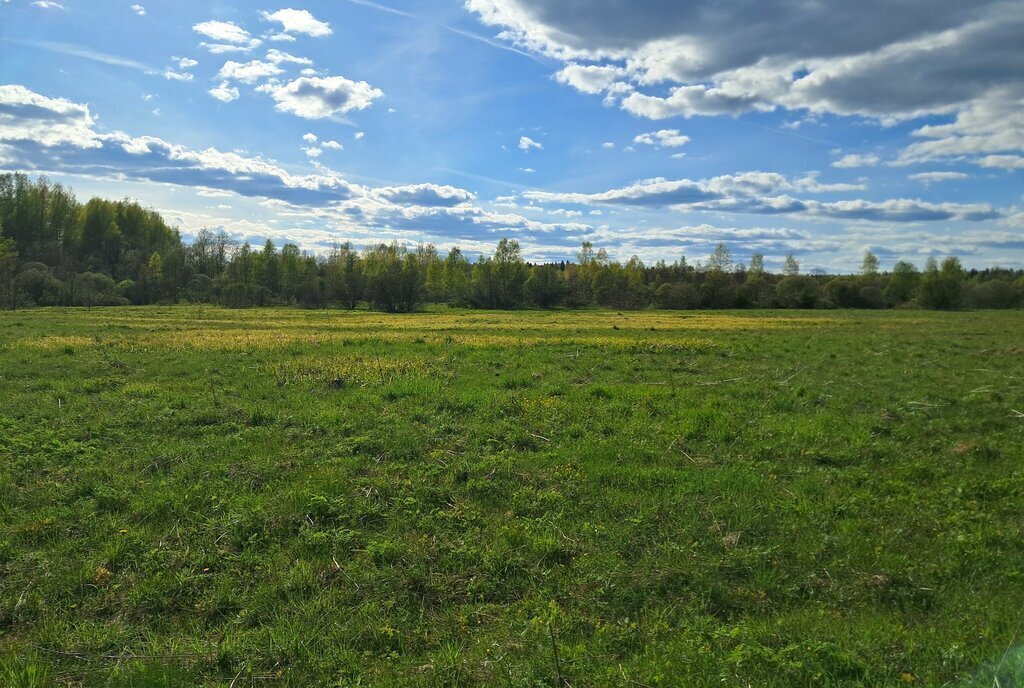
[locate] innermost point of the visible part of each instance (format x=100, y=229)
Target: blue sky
x=656, y=128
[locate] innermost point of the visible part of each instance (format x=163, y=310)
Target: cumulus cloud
x=991, y=126
x=298, y=21
x=322, y=97
x=1006, y=162
x=930, y=177
x=703, y=57
x=428, y=195
x=229, y=37
x=225, y=93
x=526, y=143
x=248, y=72
x=225, y=32
x=668, y=138
x=332, y=145
x=589, y=78
x=185, y=62
x=139, y=10
x=767, y=193
x=902, y=210
x=29, y=116
x=48, y=5
x=172, y=75
x=224, y=48
x=54, y=134
x=277, y=57
x=649, y=192
x=852, y=160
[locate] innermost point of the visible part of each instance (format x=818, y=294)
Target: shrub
x=797, y=291
x=995, y=293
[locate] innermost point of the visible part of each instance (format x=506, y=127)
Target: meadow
x=280, y=497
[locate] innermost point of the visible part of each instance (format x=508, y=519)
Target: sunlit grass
x=192, y=496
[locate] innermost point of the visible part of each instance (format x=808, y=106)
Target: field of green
x=277, y=497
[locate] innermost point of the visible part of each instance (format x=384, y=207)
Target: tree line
x=55, y=251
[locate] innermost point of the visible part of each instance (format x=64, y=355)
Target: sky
x=655, y=128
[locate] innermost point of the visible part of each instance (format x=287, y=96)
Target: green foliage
x=941, y=291
x=192, y=496
x=544, y=287
x=67, y=244
x=797, y=291
x=394, y=282
x=996, y=293
x=8, y=271
x=903, y=283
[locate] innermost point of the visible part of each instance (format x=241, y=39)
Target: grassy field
x=197, y=496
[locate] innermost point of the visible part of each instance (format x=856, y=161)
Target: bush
x=38, y=285
x=870, y=297
x=995, y=293
x=200, y=289
x=96, y=289
x=940, y=291
x=842, y=292
x=676, y=296
x=797, y=291
x=756, y=292
x=235, y=295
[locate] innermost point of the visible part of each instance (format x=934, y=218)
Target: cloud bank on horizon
x=653, y=128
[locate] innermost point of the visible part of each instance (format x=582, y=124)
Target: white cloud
x=225, y=33
x=704, y=57
x=277, y=57
x=322, y=97
x=930, y=177
x=608, y=145
x=333, y=145
x=225, y=93
x=309, y=138
x=526, y=143
x=589, y=78
x=248, y=72
x=29, y=116
x=48, y=5
x=989, y=126
x=669, y=138
x=428, y=195
x=358, y=135
x=313, y=152
x=223, y=48
x=1006, y=162
x=172, y=75
x=856, y=160
x=185, y=62
x=298, y=21
x=139, y=10
x=762, y=193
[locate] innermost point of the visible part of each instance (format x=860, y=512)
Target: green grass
x=192, y=496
